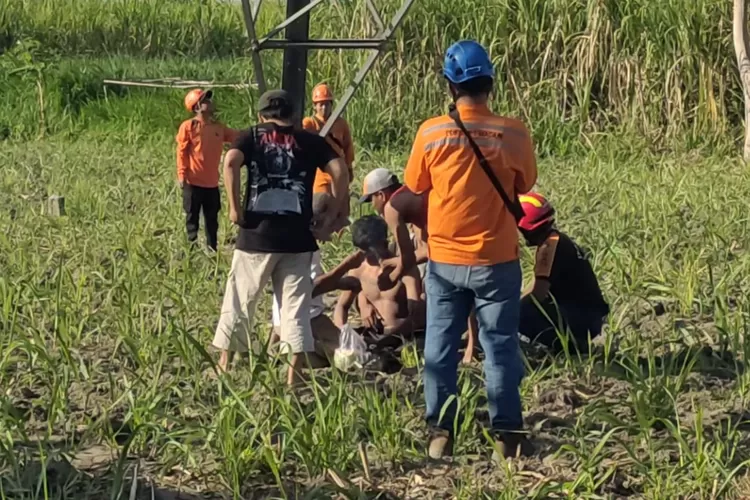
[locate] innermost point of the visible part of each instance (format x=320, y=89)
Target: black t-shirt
x=277, y=207
x=572, y=279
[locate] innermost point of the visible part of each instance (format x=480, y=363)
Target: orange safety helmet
x=196, y=96
x=321, y=93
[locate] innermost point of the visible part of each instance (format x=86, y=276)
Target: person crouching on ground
x=400, y=309
x=565, y=296
x=199, y=145
x=275, y=240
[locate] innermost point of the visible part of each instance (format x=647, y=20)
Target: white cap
x=377, y=180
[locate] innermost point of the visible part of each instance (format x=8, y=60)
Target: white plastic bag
x=352, y=350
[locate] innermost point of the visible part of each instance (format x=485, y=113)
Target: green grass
x=106, y=319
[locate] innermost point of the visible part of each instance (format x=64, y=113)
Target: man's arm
x=230, y=134
x=337, y=279
x=544, y=262
x=420, y=253
x=233, y=161
x=397, y=226
x=339, y=173
x=341, y=313
x=417, y=310
x=539, y=289
x=183, y=152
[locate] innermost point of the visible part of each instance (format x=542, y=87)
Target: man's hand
x=319, y=227
x=181, y=183
x=390, y=272
x=234, y=215
x=370, y=317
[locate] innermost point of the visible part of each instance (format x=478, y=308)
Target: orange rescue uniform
x=340, y=139
x=199, y=147
x=468, y=223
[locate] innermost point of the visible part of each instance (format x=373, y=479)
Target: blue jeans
x=495, y=291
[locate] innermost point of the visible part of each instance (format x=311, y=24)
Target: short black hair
x=481, y=85
x=282, y=111
x=369, y=232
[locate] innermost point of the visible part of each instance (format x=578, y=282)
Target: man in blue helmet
x=473, y=247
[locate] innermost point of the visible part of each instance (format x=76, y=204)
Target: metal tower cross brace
x=297, y=43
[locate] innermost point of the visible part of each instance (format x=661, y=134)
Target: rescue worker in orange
x=473, y=249
x=199, y=145
x=339, y=137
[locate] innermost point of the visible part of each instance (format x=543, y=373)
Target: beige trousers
x=290, y=276
x=325, y=334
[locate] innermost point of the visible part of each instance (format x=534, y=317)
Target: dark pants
x=195, y=199
x=541, y=323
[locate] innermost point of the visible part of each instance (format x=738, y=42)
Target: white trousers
x=290, y=276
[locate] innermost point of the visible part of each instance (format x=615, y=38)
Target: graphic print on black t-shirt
x=276, y=186
x=277, y=205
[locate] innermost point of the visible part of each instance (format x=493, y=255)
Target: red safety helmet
x=195, y=96
x=537, y=211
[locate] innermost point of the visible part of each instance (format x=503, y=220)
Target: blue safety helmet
x=466, y=60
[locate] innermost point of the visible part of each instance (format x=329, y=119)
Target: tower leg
x=295, y=58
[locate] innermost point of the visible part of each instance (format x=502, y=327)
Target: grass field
x=105, y=318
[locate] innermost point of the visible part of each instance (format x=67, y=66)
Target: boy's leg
x=293, y=288
x=448, y=307
x=248, y=276
x=211, y=207
x=192, y=206
x=497, y=290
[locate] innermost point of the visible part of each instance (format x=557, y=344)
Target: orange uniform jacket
x=199, y=147
x=467, y=221
x=340, y=139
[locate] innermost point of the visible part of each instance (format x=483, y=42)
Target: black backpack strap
x=514, y=206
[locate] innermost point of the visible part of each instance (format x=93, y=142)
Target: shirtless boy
x=400, y=308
